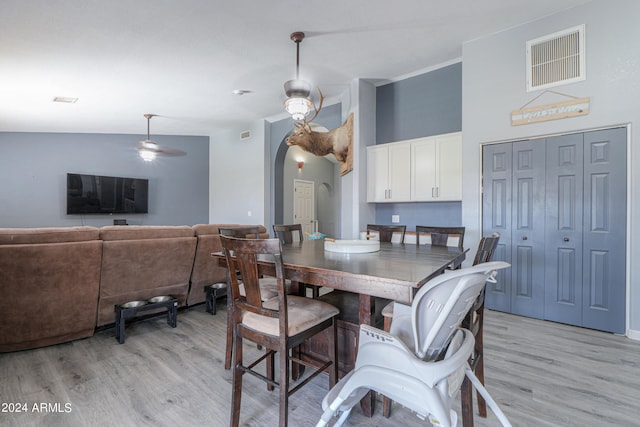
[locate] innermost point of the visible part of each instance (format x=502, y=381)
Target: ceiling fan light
x=147, y=155
x=298, y=107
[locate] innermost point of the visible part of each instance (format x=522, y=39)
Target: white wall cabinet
x=436, y=168
x=419, y=170
x=389, y=177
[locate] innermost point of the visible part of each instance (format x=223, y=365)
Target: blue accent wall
x=424, y=105
x=437, y=214
x=34, y=167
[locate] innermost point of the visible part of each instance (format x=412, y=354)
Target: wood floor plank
x=541, y=373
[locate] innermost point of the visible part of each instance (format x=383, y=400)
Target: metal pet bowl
x=133, y=304
x=161, y=298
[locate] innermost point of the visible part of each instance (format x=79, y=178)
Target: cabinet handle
x=389, y=193
x=566, y=239
x=433, y=192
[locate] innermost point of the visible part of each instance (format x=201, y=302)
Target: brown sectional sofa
x=59, y=284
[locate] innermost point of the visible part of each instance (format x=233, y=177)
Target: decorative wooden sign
x=555, y=111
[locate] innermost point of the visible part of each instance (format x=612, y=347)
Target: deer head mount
x=338, y=141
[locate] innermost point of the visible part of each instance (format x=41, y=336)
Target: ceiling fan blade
x=167, y=151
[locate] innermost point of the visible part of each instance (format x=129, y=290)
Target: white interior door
x=303, y=204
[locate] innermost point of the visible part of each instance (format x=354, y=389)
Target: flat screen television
x=96, y=194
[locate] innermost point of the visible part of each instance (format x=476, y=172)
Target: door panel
x=527, y=237
x=304, y=206
x=563, y=266
x=496, y=205
x=605, y=232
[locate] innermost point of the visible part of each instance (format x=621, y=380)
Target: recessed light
x=65, y=99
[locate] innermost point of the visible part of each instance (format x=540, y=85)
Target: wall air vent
x=556, y=59
x=245, y=135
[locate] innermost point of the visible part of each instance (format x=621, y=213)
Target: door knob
x=524, y=237
x=566, y=239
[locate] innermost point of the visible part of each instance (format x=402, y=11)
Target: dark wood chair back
x=385, y=232
x=244, y=232
x=286, y=232
x=486, y=248
x=440, y=235
x=242, y=254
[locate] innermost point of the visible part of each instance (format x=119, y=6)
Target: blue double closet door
x=560, y=206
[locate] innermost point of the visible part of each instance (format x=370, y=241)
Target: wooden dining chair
x=278, y=324
x=286, y=232
x=441, y=236
x=474, y=321
x=385, y=232
x=268, y=284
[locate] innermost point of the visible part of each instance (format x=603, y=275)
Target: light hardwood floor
x=541, y=374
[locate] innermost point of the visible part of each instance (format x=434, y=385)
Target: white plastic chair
x=422, y=361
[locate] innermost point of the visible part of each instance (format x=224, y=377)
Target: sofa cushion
x=140, y=262
x=138, y=232
x=18, y=236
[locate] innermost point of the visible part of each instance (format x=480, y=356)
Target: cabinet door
x=449, y=167
x=399, y=173
x=377, y=173
x=423, y=170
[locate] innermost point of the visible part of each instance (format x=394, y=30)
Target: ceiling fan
x=149, y=150
x=298, y=91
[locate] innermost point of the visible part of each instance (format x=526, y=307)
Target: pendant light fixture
x=298, y=103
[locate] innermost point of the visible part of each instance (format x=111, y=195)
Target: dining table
x=395, y=272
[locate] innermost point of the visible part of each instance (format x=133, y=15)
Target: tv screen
x=95, y=194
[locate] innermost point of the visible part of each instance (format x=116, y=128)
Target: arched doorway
x=323, y=171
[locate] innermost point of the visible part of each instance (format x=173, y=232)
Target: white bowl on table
x=352, y=246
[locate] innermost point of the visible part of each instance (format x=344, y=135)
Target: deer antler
x=317, y=109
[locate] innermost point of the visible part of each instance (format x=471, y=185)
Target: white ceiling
x=182, y=59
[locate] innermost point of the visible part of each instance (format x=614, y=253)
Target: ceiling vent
x=556, y=59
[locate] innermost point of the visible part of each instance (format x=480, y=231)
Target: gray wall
x=424, y=105
x=239, y=176
x=33, y=168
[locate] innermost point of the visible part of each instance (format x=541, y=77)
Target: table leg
x=367, y=306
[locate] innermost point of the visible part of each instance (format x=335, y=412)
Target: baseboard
x=633, y=334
